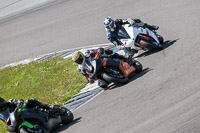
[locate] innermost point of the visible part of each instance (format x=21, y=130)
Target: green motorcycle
x=35, y=119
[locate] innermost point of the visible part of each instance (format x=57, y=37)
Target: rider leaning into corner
x=112, y=27
x=13, y=104
x=84, y=62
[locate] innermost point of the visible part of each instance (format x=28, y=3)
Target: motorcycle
x=36, y=119
x=137, y=37
x=113, y=74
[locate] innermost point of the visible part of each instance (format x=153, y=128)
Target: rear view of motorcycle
x=36, y=119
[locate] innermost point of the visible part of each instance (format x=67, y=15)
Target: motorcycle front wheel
x=160, y=38
x=110, y=78
x=151, y=45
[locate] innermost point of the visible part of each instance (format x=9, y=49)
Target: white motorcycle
x=136, y=37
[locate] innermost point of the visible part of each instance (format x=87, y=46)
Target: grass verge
x=52, y=81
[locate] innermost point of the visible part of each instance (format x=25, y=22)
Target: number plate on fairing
x=127, y=42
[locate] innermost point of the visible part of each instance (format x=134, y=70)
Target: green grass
x=52, y=81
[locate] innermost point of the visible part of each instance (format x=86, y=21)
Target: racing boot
x=152, y=27
x=102, y=83
x=121, y=57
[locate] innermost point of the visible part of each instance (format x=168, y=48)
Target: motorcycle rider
x=12, y=104
x=84, y=62
x=112, y=27
x=15, y=104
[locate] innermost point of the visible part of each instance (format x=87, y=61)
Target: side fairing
x=134, y=32
x=153, y=35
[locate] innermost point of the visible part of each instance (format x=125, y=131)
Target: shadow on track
x=165, y=45
x=134, y=77
x=140, y=74
x=64, y=127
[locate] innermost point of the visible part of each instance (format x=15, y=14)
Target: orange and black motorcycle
x=113, y=70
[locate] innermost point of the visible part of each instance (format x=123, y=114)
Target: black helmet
x=78, y=57
x=3, y=104
x=4, y=111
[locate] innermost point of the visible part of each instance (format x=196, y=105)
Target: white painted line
x=26, y=61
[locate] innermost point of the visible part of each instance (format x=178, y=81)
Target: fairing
x=133, y=32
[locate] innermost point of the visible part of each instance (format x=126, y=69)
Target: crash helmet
x=109, y=23
x=3, y=104
x=78, y=57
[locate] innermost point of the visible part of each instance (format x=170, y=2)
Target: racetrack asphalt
x=164, y=98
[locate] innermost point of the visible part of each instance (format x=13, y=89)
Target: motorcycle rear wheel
x=109, y=78
x=67, y=117
x=137, y=65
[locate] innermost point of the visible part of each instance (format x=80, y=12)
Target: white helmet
x=109, y=23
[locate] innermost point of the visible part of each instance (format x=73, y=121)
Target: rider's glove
x=31, y=100
x=87, y=53
x=131, y=21
x=101, y=50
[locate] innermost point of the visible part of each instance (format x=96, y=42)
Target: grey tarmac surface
x=164, y=98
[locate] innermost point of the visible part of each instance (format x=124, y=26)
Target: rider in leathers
x=85, y=66
x=112, y=27
x=14, y=104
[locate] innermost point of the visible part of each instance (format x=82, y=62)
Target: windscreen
x=122, y=34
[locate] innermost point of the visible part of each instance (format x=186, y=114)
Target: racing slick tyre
x=137, y=65
x=109, y=78
x=151, y=45
x=67, y=117
x=160, y=38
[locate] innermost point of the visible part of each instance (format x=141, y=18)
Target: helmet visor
x=111, y=25
x=80, y=59
x=3, y=106
x=4, y=111
x=4, y=114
